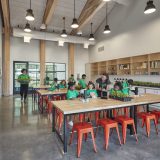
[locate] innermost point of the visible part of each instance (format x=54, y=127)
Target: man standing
x=24, y=80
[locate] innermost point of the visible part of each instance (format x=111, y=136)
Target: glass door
x=17, y=67
x=34, y=73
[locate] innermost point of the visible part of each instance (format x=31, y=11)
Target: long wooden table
x=42, y=93
x=38, y=87
x=70, y=107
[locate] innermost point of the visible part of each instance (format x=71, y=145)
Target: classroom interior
x=115, y=39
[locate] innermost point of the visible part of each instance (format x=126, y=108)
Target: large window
x=53, y=70
x=56, y=70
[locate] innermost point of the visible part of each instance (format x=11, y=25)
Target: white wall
x=21, y=51
x=0, y=56
x=133, y=33
x=81, y=58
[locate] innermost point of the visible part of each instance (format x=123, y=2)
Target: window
x=55, y=70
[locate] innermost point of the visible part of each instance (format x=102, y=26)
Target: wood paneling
x=71, y=50
x=42, y=61
x=49, y=11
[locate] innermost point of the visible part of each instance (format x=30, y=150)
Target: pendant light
x=91, y=37
x=75, y=22
x=27, y=28
x=30, y=15
x=64, y=34
x=107, y=28
x=106, y=0
x=150, y=8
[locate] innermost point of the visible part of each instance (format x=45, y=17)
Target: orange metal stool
x=157, y=114
x=146, y=118
x=124, y=120
x=82, y=128
x=108, y=124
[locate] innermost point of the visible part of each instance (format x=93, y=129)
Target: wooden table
x=70, y=107
x=42, y=93
x=38, y=87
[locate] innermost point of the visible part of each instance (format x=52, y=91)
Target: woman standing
x=102, y=85
x=24, y=80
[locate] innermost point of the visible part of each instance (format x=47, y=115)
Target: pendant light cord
x=30, y=4
x=106, y=14
x=64, y=22
x=74, y=9
x=91, y=27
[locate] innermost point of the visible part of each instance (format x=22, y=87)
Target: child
x=54, y=85
x=117, y=87
x=91, y=92
x=62, y=84
x=72, y=93
x=82, y=82
x=24, y=80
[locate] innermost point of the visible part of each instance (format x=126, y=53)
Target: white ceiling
x=18, y=11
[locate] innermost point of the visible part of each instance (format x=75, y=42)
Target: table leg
x=32, y=93
x=132, y=116
x=147, y=107
x=53, y=118
x=65, y=134
x=42, y=105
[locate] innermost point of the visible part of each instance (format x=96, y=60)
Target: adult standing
x=102, y=85
x=24, y=80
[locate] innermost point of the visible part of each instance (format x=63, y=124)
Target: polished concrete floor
x=26, y=135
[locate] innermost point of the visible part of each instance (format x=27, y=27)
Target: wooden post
x=6, y=63
x=42, y=61
x=71, y=49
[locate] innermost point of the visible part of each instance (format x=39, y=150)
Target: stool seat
x=108, y=124
x=82, y=128
x=146, y=118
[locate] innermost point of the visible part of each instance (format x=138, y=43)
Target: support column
x=6, y=63
x=42, y=61
x=71, y=50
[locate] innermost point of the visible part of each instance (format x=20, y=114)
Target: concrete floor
x=26, y=135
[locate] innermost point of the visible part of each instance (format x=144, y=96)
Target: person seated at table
x=62, y=84
x=117, y=87
x=91, y=91
x=71, y=79
x=72, y=93
x=82, y=82
x=54, y=85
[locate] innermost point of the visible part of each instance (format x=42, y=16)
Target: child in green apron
x=91, y=92
x=82, y=82
x=72, y=93
x=62, y=84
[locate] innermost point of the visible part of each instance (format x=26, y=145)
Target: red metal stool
x=108, y=124
x=82, y=128
x=146, y=118
x=157, y=114
x=124, y=120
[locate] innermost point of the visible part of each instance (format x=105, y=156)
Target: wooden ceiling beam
x=49, y=11
x=5, y=13
x=90, y=9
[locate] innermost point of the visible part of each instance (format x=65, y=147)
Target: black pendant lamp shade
x=27, y=28
x=30, y=15
x=150, y=8
x=75, y=22
x=91, y=37
x=64, y=33
x=107, y=28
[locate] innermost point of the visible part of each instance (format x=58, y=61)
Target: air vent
x=100, y=49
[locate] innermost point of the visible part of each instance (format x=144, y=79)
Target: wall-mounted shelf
x=148, y=64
